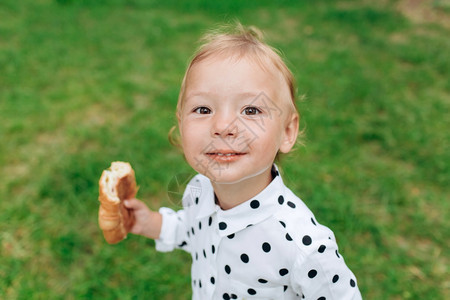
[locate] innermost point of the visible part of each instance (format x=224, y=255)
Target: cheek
x=190, y=135
x=268, y=133
x=184, y=129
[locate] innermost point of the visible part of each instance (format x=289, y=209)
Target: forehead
x=233, y=60
x=231, y=74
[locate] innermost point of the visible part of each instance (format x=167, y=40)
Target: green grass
x=84, y=83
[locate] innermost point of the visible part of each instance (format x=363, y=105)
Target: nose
x=224, y=125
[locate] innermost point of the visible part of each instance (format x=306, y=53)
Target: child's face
x=232, y=122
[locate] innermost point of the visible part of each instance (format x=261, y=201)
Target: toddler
x=249, y=236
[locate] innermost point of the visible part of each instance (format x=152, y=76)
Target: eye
x=251, y=110
x=203, y=110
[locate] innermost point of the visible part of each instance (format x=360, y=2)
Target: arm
x=166, y=226
x=169, y=228
x=323, y=274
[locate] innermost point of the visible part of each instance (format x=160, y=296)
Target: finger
x=133, y=203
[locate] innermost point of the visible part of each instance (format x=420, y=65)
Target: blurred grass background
x=84, y=83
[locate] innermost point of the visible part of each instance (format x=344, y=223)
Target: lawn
x=84, y=83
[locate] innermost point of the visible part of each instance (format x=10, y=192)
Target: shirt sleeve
x=322, y=274
x=173, y=231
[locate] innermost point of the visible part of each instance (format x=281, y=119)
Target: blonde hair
x=237, y=42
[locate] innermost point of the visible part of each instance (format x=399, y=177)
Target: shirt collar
x=207, y=205
x=250, y=212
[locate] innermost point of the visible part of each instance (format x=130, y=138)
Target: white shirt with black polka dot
x=269, y=247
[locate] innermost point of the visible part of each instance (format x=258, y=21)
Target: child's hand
x=148, y=223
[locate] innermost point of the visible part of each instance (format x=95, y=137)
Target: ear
x=290, y=133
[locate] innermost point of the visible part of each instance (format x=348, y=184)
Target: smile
x=225, y=156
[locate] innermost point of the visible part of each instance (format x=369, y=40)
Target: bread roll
x=116, y=184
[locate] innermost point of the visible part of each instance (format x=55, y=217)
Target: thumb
x=133, y=203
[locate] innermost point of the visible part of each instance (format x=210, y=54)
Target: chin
x=223, y=178
x=230, y=177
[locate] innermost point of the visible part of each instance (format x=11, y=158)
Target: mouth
x=225, y=155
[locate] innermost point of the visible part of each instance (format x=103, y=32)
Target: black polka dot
x=213, y=249
x=213, y=280
x=283, y=272
x=196, y=256
x=182, y=244
x=254, y=204
x=196, y=200
x=199, y=225
x=266, y=247
x=283, y=224
x=251, y=291
x=222, y=225
x=200, y=284
x=288, y=237
x=307, y=240
x=227, y=269
x=192, y=230
x=204, y=253
x=352, y=283
x=291, y=204
x=322, y=248
x=337, y=254
x=226, y=296
x=249, y=225
x=230, y=236
x=188, y=233
x=322, y=298
x=312, y=220
x=312, y=273
x=285, y=288
x=195, y=282
x=335, y=278
x=233, y=296
x=281, y=199
x=262, y=280
x=210, y=221
x=244, y=258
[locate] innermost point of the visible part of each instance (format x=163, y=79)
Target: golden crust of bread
x=116, y=184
